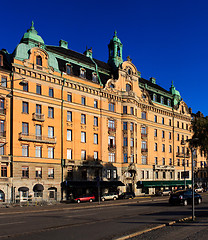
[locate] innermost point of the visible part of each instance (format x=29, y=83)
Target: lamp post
x=192, y=173
x=184, y=163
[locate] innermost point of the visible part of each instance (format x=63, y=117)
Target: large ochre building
x=71, y=124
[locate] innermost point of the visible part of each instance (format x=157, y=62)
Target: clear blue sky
x=166, y=39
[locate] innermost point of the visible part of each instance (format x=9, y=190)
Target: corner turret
x=176, y=94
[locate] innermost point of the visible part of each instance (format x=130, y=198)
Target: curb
x=153, y=228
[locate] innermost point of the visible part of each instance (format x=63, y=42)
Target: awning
x=23, y=189
x=92, y=184
x=173, y=183
x=52, y=188
x=38, y=188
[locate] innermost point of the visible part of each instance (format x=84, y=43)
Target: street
x=109, y=220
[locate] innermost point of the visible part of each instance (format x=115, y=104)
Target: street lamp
x=184, y=163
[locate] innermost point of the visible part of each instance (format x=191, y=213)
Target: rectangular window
x=163, y=161
x=125, y=126
x=132, y=110
x=131, y=142
x=144, y=145
x=25, y=150
x=144, y=160
x=38, y=172
x=38, y=131
x=25, y=128
x=170, y=161
x=69, y=97
x=114, y=174
x=68, y=69
x=111, y=124
x=83, y=155
x=178, y=175
x=163, y=134
x=155, y=118
x=155, y=146
x=83, y=101
x=170, y=148
x=83, y=137
x=50, y=172
x=156, y=161
x=95, y=155
x=124, y=109
x=111, y=107
x=147, y=174
x=38, y=151
x=69, y=154
x=83, y=118
x=143, y=130
x=96, y=121
x=131, y=126
x=169, y=122
x=163, y=147
x=38, y=89
x=164, y=175
x=142, y=173
x=82, y=73
x=95, y=138
x=143, y=115
x=2, y=150
x=155, y=132
x=50, y=152
x=25, y=108
x=125, y=141
x=111, y=157
x=95, y=104
x=125, y=157
x=69, y=135
x=178, y=162
x=171, y=175
x=163, y=120
x=51, y=132
x=178, y=137
x=25, y=86
x=25, y=172
x=156, y=175
x=69, y=116
x=38, y=109
x=3, y=81
x=3, y=170
x=50, y=112
x=170, y=135
x=50, y=92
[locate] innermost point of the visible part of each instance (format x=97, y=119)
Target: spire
x=115, y=48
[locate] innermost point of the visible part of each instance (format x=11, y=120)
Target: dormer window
x=154, y=97
x=68, y=69
x=39, y=60
x=128, y=87
x=95, y=77
x=162, y=100
x=4, y=81
x=82, y=73
x=169, y=102
x=1, y=60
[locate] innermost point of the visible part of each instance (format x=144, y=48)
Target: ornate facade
x=71, y=124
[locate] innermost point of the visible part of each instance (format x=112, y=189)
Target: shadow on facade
x=90, y=176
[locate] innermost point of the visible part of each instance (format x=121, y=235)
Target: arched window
x=39, y=60
x=128, y=87
x=169, y=102
x=119, y=51
x=154, y=97
x=162, y=100
x=68, y=69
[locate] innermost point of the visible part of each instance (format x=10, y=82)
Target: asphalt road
x=110, y=220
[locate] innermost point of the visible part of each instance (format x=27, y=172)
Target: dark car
x=184, y=197
x=85, y=198
x=127, y=195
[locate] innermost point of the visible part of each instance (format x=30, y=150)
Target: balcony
x=144, y=150
x=110, y=129
x=38, y=117
x=34, y=138
x=180, y=154
x=2, y=111
x=143, y=135
x=111, y=147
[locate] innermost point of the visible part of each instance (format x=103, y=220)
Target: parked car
x=184, y=197
x=127, y=195
x=163, y=193
x=199, y=190
x=109, y=196
x=85, y=198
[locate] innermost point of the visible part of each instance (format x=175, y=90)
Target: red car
x=85, y=198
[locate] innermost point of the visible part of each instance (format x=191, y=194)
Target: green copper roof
x=115, y=38
x=32, y=36
x=175, y=93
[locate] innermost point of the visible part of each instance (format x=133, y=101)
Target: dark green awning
x=173, y=183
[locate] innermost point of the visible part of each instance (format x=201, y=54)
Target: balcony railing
x=2, y=133
x=2, y=111
x=144, y=150
x=180, y=154
x=34, y=138
x=38, y=117
x=143, y=135
x=111, y=147
x=110, y=129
